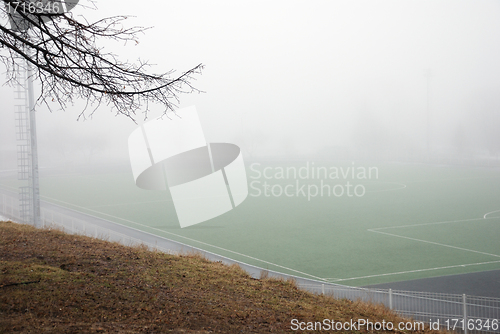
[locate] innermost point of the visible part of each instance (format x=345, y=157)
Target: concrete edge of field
x=484, y=283
x=171, y=246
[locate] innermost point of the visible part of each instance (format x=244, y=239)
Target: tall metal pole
x=34, y=183
x=20, y=24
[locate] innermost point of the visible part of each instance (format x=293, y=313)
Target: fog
x=302, y=80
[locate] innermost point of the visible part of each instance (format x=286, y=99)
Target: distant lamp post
x=428, y=75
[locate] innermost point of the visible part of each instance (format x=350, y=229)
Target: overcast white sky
x=309, y=74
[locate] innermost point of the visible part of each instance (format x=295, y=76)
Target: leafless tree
x=67, y=60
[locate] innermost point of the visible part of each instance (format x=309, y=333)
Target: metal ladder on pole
x=27, y=160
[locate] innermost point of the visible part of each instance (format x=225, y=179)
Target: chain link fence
x=462, y=313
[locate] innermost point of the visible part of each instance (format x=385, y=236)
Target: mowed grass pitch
x=414, y=221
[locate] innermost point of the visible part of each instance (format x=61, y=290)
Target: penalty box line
x=411, y=271
x=436, y=243
x=434, y=223
x=378, y=230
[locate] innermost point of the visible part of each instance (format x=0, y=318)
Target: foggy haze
x=317, y=79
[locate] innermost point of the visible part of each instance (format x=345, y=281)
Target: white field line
x=190, y=239
x=123, y=204
x=453, y=179
x=491, y=213
x=412, y=271
x=377, y=230
x=180, y=236
x=435, y=243
x=401, y=186
x=424, y=224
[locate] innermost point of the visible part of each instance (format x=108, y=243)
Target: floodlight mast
x=34, y=186
x=20, y=24
x=428, y=76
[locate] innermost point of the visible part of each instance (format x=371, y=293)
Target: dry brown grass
x=51, y=282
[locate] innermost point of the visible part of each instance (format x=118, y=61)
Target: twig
x=20, y=283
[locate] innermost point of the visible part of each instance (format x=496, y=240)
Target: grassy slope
x=78, y=284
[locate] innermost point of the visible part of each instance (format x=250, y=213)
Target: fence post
x=464, y=300
x=390, y=299
x=322, y=289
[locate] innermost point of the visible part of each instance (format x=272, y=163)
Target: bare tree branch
x=68, y=62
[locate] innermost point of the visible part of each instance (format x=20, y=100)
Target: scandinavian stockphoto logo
x=205, y=180
x=310, y=180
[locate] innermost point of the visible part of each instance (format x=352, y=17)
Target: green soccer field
x=411, y=220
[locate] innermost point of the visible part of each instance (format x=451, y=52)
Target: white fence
x=462, y=313
x=9, y=207
x=468, y=314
